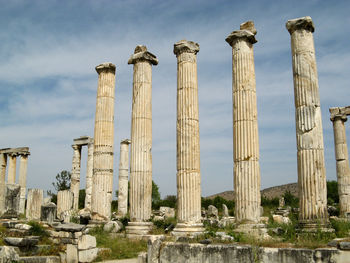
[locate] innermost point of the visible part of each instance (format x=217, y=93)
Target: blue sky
x=49, y=49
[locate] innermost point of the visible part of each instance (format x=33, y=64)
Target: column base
x=313, y=227
x=138, y=228
x=188, y=229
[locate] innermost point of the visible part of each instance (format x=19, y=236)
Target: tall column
x=11, y=173
x=141, y=142
x=342, y=159
x=187, y=136
x=3, y=162
x=245, y=126
x=23, y=181
x=123, y=178
x=89, y=168
x=102, y=179
x=311, y=168
x=75, y=177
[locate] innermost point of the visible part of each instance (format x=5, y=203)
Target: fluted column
x=3, y=163
x=34, y=203
x=123, y=178
x=103, y=144
x=11, y=173
x=141, y=142
x=75, y=176
x=342, y=159
x=89, y=170
x=245, y=126
x=311, y=167
x=187, y=136
x=23, y=165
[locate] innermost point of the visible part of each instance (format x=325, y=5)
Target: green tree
x=332, y=192
x=155, y=195
x=290, y=199
x=82, y=195
x=62, y=183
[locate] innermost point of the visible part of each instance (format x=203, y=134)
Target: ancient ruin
x=245, y=126
x=123, y=187
x=311, y=168
x=75, y=177
x=339, y=117
x=141, y=142
x=10, y=155
x=34, y=203
x=187, y=137
x=102, y=179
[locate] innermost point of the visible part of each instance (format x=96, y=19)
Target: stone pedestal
x=187, y=135
x=23, y=181
x=11, y=173
x=34, y=203
x=245, y=126
x=123, y=178
x=75, y=177
x=12, y=199
x=48, y=212
x=103, y=144
x=339, y=117
x=90, y=163
x=141, y=142
x=311, y=169
x=64, y=204
x=3, y=162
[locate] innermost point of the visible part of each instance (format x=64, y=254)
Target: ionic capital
x=141, y=54
x=241, y=34
x=300, y=23
x=105, y=67
x=76, y=147
x=338, y=113
x=125, y=141
x=184, y=46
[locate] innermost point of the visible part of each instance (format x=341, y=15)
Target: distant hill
x=271, y=192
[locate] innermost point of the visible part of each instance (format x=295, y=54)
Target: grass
x=120, y=247
x=341, y=227
x=159, y=226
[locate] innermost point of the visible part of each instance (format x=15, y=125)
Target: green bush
x=37, y=229
x=341, y=227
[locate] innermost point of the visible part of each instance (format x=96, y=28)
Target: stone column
x=12, y=198
x=342, y=159
x=23, y=181
x=141, y=142
x=311, y=168
x=65, y=200
x=187, y=136
x=3, y=162
x=89, y=169
x=34, y=203
x=102, y=180
x=75, y=177
x=11, y=173
x=123, y=178
x=245, y=126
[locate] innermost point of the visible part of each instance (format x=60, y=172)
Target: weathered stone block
x=12, y=200
x=86, y=242
x=48, y=212
x=72, y=253
x=34, y=202
x=88, y=255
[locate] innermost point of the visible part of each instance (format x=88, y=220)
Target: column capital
x=241, y=34
x=337, y=113
x=141, y=54
x=185, y=46
x=300, y=23
x=107, y=66
x=76, y=147
x=125, y=141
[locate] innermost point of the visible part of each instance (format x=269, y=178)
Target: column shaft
x=311, y=168
x=123, y=178
x=3, y=162
x=103, y=143
x=89, y=170
x=343, y=169
x=187, y=137
x=245, y=128
x=75, y=176
x=23, y=181
x=11, y=173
